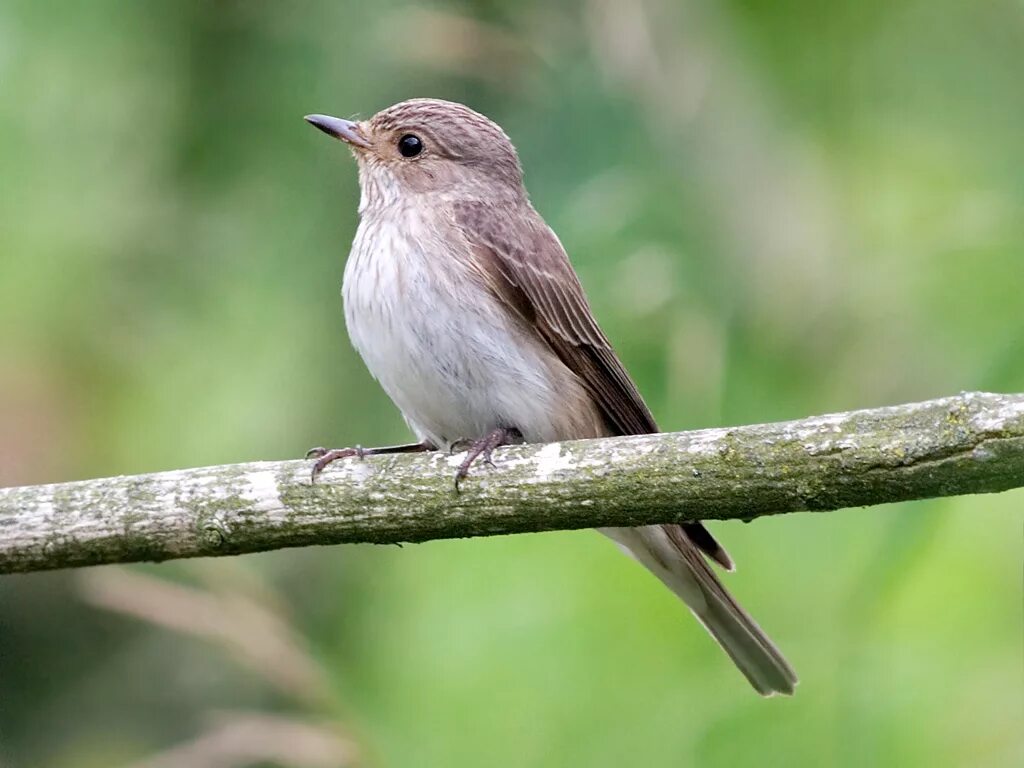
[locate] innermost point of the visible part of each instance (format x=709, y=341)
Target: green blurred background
x=778, y=209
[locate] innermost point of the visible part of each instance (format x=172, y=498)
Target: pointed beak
x=345, y=130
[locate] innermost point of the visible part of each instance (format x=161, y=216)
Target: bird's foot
x=460, y=445
x=324, y=456
x=484, y=447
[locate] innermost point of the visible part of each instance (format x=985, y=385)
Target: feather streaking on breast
x=455, y=364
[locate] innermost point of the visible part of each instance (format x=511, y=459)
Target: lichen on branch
x=969, y=443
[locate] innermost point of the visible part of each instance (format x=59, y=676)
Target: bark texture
x=970, y=443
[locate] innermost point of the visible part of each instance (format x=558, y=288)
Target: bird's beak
x=345, y=130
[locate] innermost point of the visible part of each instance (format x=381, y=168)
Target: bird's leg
x=324, y=457
x=485, y=447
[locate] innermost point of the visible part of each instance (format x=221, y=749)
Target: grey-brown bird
x=464, y=306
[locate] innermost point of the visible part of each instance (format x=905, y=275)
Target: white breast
x=453, y=360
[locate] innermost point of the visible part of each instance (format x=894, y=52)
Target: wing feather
x=526, y=267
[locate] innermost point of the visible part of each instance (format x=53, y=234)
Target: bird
x=465, y=308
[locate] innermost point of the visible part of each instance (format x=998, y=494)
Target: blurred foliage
x=778, y=209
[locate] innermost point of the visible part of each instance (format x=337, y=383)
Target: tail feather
x=668, y=552
x=707, y=544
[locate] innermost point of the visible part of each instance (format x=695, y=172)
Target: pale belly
x=451, y=358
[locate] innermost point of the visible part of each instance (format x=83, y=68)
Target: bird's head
x=425, y=146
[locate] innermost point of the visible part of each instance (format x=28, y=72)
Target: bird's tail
x=668, y=552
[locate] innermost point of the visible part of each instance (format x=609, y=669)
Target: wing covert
x=525, y=265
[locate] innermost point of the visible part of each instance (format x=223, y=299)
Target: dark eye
x=410, y=145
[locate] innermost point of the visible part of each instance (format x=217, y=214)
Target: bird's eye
x=410, y=145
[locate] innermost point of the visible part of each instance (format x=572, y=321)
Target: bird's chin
x=377, y=182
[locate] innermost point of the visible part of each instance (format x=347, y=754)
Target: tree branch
x=971, y=443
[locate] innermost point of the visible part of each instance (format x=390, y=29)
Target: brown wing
x=526, y=266
x=528, y=269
